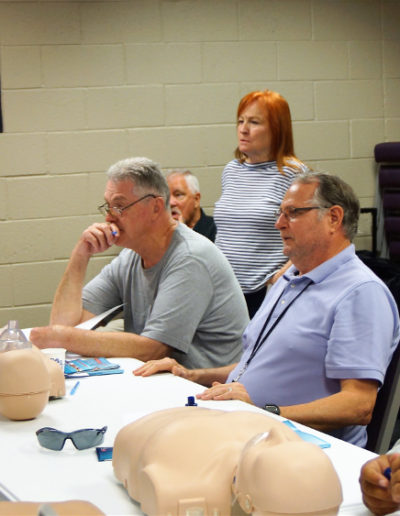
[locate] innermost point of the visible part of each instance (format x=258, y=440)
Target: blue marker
x=388, y=473
x=73, y=390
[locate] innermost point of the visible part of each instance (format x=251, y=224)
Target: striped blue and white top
x=245, y=219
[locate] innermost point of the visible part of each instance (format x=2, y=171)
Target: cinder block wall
x=86, y=83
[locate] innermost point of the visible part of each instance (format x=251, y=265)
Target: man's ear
x=336, y=215
x=159, y=205
x=197, y=197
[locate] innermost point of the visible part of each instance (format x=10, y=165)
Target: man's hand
x=48, y=336
x=226, y=391
x=218, y=391
x=380, y=495
x=165, y=364
x=98, y=238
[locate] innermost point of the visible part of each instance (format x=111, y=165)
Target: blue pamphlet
x=310, y=438
x=90, y=367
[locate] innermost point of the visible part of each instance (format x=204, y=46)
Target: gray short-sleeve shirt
x=190, y=300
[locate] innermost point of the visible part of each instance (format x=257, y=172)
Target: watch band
x=270, y=407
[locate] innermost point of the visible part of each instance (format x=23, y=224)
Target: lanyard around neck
x=261, y=337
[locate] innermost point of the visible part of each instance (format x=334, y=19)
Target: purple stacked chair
x=388, y=156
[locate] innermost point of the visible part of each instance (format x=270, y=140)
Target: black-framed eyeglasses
x=82, y=439
x=105, y=209
x=292, y=213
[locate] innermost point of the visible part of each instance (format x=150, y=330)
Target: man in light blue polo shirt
x=318, y=348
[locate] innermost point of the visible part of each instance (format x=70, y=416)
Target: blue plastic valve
x=191, y=402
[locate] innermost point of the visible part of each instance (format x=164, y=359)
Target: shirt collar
x=321, y=272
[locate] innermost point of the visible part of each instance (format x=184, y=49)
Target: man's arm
x=99, y=344
x=202, y=376
x=67, y=306
x=353, y=405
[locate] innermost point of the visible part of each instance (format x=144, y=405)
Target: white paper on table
x=92, y=323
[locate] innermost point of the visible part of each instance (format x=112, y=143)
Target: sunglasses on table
x=53, y=439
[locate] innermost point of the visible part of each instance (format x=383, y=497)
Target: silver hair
x=333, y=191
x=145, y=175
x=191, y=179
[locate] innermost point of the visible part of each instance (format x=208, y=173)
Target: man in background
x=185, y=203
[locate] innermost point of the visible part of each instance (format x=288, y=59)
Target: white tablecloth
x=36, y=474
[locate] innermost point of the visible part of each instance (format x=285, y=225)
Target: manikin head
x=270, y=465
x=69, y=508
x=180, y=460
x=27, y=379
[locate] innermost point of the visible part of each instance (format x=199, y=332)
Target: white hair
x=191, y=179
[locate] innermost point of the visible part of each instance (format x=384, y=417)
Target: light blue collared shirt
x=344, y=325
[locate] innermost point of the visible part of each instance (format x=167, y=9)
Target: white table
x=33, y=473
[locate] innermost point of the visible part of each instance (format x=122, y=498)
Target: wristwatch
x=269, y=407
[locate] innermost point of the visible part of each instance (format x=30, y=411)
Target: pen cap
x=12, y=338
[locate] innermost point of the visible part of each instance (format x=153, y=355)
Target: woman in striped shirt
x=253, y=186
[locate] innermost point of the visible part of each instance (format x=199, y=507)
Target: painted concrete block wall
x=86, y=83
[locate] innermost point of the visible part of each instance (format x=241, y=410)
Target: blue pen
x=114, y=233
x=388, y=473
x=73, y=390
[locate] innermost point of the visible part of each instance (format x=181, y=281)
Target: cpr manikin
x=69, y=508
x=187, y=461
x=27, y=379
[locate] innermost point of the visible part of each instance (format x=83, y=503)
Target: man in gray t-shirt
x=180, y=295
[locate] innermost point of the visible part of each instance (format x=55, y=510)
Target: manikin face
x=254, y=134
x=272, y=465
x=184, y=203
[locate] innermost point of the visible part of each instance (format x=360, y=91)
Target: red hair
x=277, y=112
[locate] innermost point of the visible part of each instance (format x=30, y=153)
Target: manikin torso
x=187, y=461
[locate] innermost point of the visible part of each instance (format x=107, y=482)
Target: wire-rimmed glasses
x=105, y=209
x=292, y=213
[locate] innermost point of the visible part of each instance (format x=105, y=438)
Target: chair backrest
x=380, y=429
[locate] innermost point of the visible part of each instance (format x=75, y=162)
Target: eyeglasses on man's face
x=292, y=213
x=105, y=209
